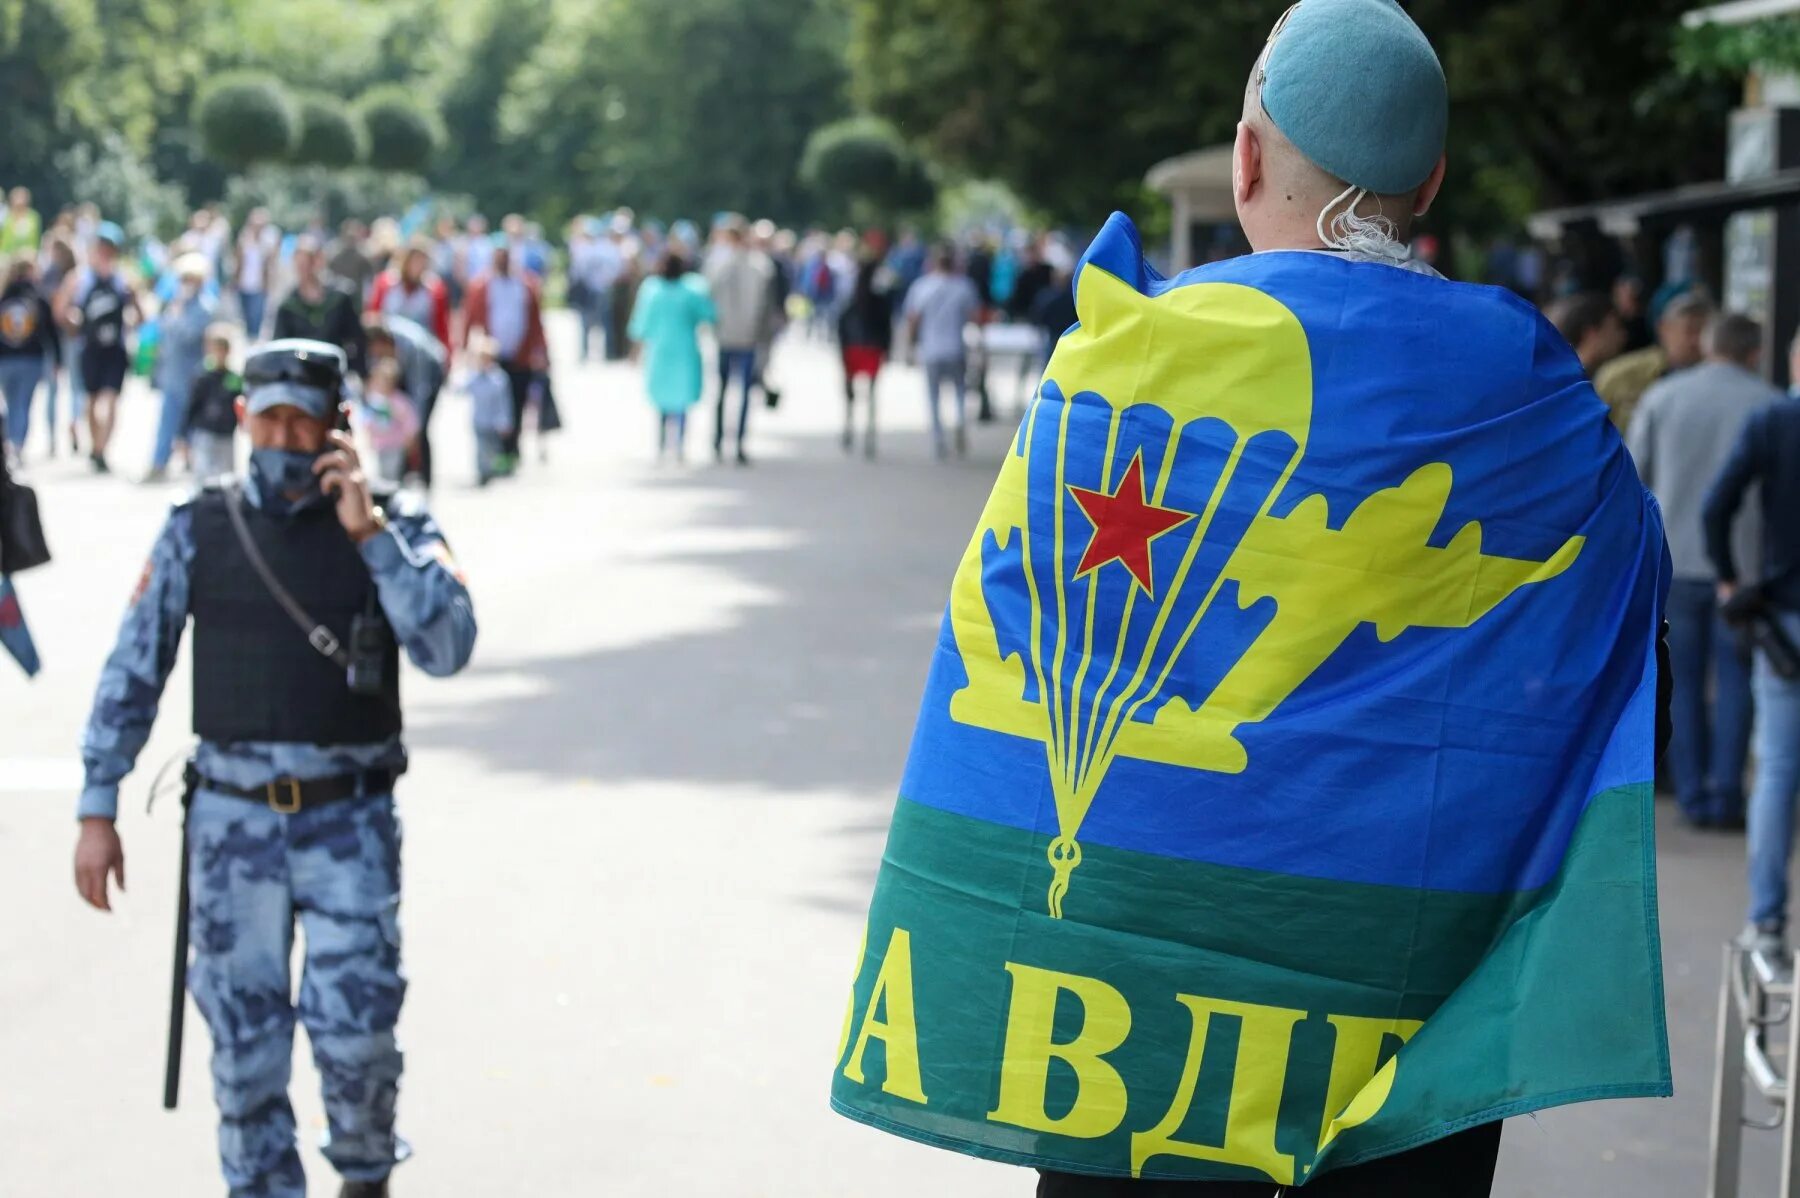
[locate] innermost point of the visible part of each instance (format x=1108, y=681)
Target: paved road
x=641, y=831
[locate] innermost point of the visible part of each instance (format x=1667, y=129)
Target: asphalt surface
x=640, y=835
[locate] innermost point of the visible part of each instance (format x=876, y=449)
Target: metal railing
x=1756, y=995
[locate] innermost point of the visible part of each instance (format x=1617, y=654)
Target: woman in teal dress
x=665, y=330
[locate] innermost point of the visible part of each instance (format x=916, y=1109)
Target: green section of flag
x=1191, y=1020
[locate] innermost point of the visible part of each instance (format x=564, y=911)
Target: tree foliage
x=404, y=135
x=1712, y=50
x=862, y=162
x=246, y=117
x=686, y=108
x=331, y=132
x=1070, y=103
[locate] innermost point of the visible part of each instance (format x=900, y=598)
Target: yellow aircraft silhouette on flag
x=1203, y=352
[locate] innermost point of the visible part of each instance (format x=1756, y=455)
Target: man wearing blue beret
x=1308, y=898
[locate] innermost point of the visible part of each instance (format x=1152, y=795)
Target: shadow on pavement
x=815, y=688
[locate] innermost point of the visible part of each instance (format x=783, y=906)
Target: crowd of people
x=646, y=291
x=83, y=306
x=1720, y=448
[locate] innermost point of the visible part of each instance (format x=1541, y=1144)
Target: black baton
x=178, y=983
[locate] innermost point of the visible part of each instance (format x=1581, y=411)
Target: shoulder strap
x=317, y=635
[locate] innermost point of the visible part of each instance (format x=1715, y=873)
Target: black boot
x=364, y=1189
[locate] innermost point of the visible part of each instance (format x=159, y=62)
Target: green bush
x=331, y=134
x=403, y=134
x=245, y=117
x=862, y=161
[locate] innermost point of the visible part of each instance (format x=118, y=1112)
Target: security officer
x=293, y=814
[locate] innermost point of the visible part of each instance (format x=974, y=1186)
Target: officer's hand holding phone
x=340, y=476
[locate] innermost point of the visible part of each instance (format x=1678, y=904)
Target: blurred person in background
x=763, y=241
x=490, y=406
x=740, y=279
x=1679, y=326
x=424, y=365
x=1053, y=311
x=1035, y=273
x=1592, y=328
x=209, y=424
x=939, y=309
x=1763, y=473
x=56, y=266
x=386, y=415
x=446, y=258
x=29, y=348
x=411, y=289
x=100, y=304
x=1681, y=437
x=181, y=356
x=1630, y=302
x=21, y=230
x=595, y=263
x=672, y=307
x=349, y=261
x=316, y=310
x=255, y=270
x=504, y=303
x=865, y=336
x=478, y=250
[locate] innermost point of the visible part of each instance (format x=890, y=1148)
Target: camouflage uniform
x=334, y=867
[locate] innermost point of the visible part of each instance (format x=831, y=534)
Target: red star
x=1124, y=525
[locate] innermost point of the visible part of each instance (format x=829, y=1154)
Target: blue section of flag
x=1466, y=754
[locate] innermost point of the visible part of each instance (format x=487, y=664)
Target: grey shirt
x=944, y=305
x=1681, y=434
x=740, y=279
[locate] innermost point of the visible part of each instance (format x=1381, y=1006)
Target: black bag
x=22, y=544
x=1750, y=613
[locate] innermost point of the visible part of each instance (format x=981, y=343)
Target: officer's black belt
x=285, y=796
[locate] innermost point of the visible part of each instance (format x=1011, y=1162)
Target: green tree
x=679, y=109
x=246, y=117
x=331, y=133
x=1069, y=104
x=404, y=135
x=862, y=168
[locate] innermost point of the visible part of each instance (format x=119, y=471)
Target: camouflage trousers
x=335, y=869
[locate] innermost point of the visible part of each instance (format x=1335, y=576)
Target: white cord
x=1375, y=235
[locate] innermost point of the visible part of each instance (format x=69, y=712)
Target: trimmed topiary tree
x=331, y=133
x=864, y=159
x=246, y=117
x=403, y=134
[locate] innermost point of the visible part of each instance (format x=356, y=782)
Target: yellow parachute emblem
x=1229, y=353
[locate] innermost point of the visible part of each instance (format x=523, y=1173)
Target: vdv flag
x=1281, y=796
x=15, y=637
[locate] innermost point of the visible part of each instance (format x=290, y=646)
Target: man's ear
x=1428, y=191
x=1246, y=164
x=243, y=410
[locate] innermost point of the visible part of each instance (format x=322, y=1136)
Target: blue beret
x=1357, y=88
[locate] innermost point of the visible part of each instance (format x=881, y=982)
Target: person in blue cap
x=1340, y=149
x=1341, y=145
x=302, y=585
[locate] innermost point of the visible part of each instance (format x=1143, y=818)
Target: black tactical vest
x=256, y=677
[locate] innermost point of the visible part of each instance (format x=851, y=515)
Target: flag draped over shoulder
x=1281, y=796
